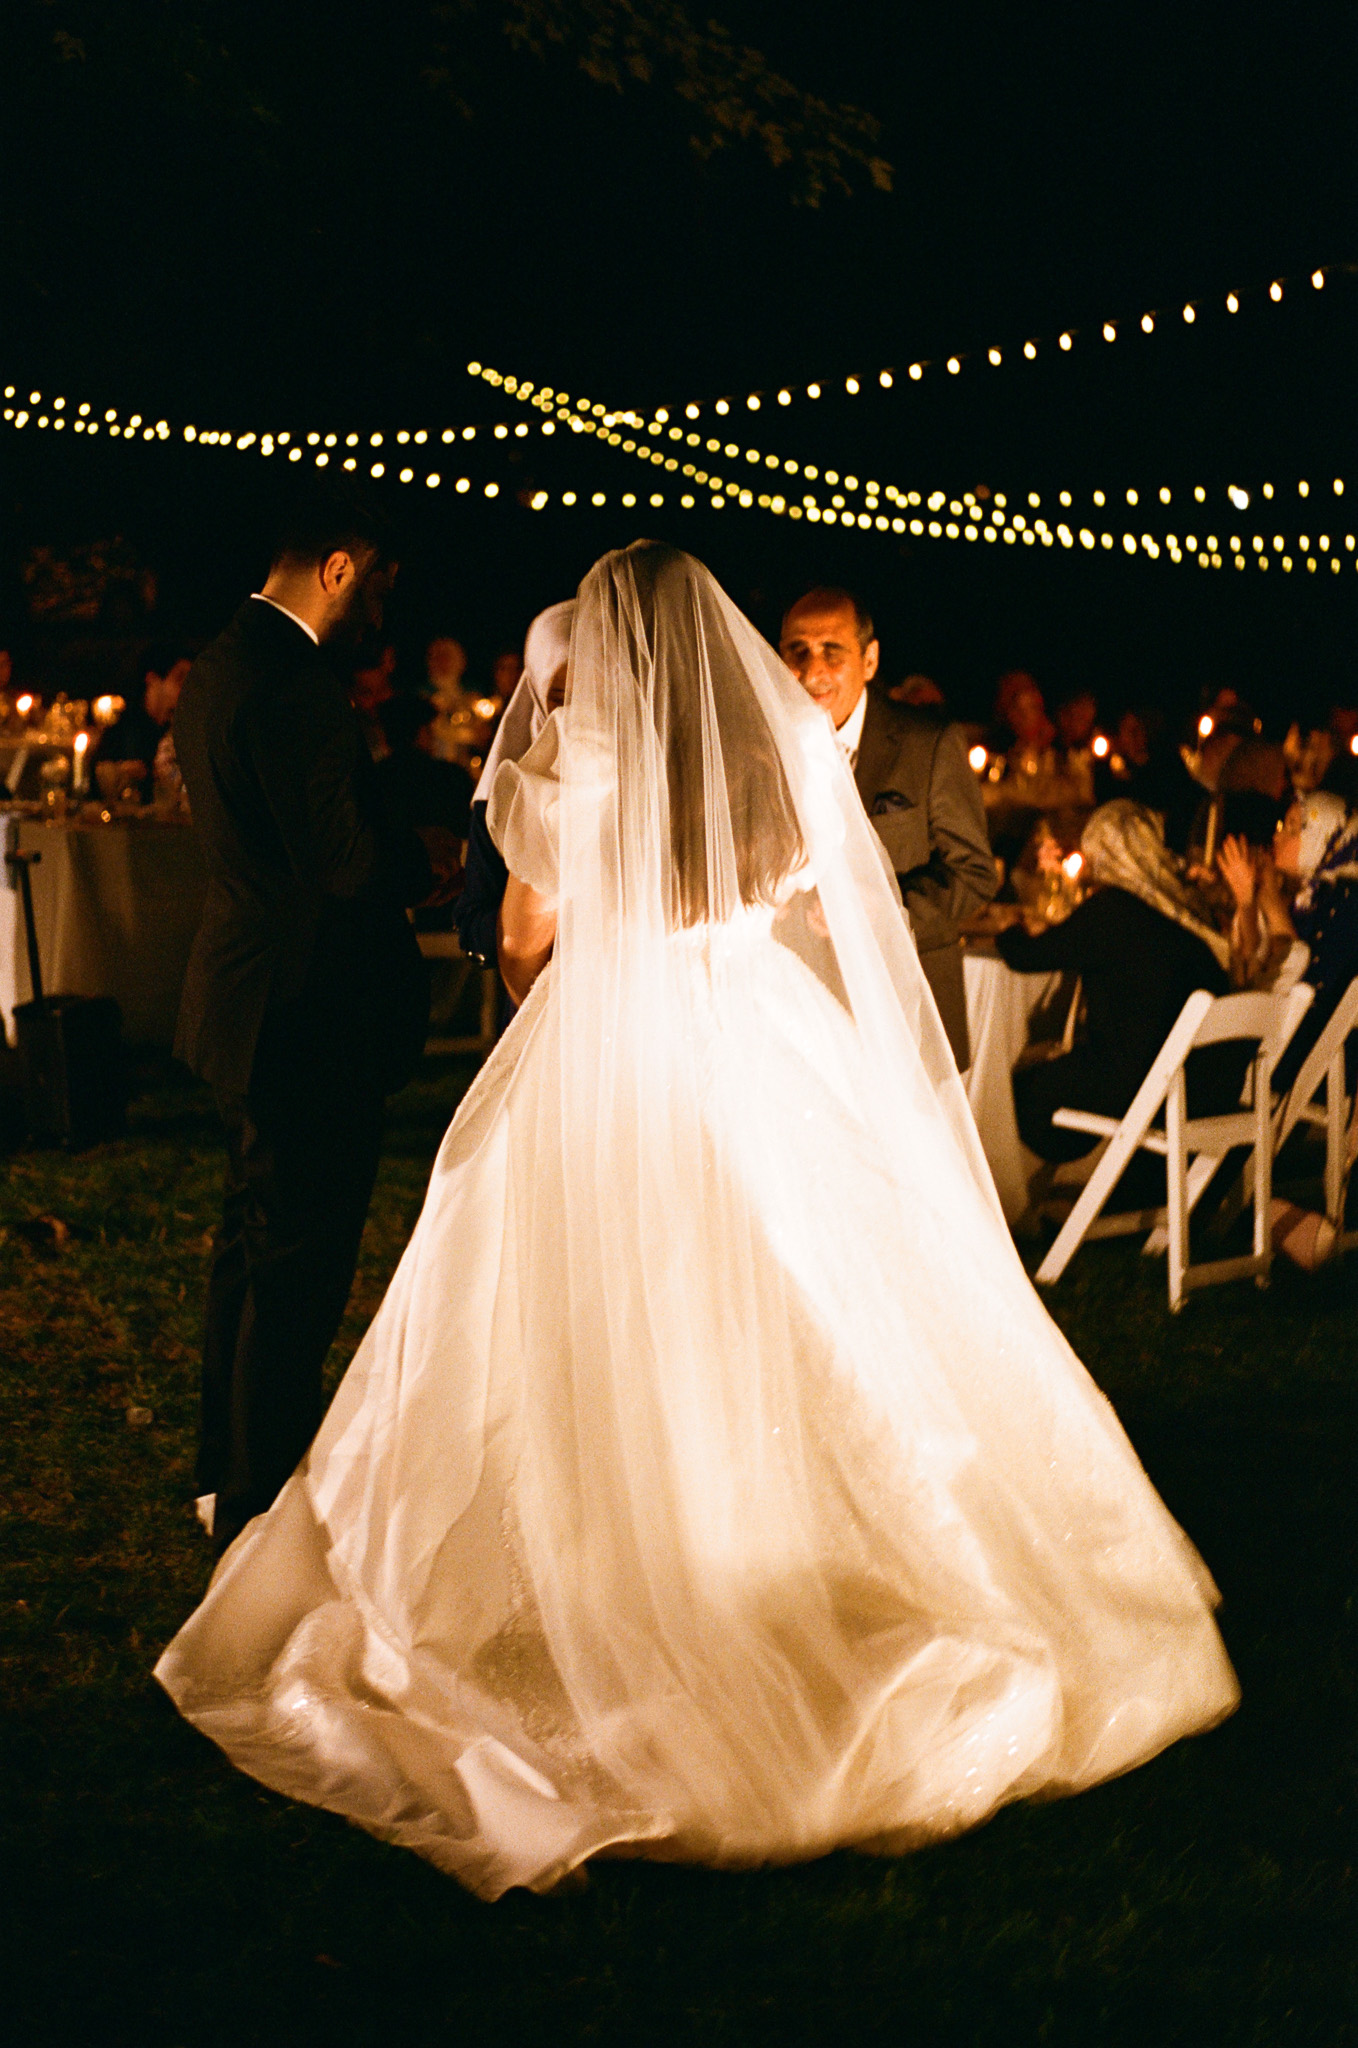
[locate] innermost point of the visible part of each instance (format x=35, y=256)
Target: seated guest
x=445, y=661
x=1317, y=846
x=373, y=686
x=916, y=783
x=1265, y=954
x=419, y=789
x=921, y=691
x=540, y=690
x=1309, y=750
x=130, y=743
x=1142, y=942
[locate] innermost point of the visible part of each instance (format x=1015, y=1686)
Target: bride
x=711, y=1485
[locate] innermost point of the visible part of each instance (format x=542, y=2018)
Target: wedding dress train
x=712, y=1484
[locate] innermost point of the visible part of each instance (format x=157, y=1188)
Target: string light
x=954, y=360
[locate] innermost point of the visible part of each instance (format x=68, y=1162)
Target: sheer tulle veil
x=700, y=784
x=711, y=1483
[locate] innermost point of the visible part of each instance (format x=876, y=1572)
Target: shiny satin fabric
x=712, y=1484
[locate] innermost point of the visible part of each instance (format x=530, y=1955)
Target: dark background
x=304, y=236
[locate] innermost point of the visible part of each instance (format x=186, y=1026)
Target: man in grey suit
x=916, y=783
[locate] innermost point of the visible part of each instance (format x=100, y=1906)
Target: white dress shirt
x=850, y=734
x=310, y=632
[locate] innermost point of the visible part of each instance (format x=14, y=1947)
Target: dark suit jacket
x=920, y=792
x=307, y=879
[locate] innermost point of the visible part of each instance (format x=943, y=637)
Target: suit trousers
x=302, y=1153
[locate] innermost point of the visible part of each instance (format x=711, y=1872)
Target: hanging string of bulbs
x=582, y=416
x=1155, y=320
x=975, y=516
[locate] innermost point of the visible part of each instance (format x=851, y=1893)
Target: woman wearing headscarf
x=1141, y=942
x=477, y=910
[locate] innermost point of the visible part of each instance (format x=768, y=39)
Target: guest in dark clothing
x=418, y=788
x=132, y=740
x=1141, y=943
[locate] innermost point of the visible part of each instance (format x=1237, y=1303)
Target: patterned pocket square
x=890, y=800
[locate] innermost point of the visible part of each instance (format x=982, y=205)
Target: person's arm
x=476, y=912
x=526, y=934
x=306, y=748
x=1076, y=942
x=1239, y=872
x=961, y=877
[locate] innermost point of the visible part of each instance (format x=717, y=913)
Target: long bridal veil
x=711, y=1478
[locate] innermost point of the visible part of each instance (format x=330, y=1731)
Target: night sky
x=308, y=238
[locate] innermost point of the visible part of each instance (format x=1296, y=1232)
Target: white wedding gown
x=712, y=1484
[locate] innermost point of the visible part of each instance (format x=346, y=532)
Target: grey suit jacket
x=921, y=794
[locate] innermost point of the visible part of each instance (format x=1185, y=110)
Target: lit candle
x=80, y=780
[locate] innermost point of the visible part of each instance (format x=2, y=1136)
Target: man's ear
x=872, y=654
x=337, y=572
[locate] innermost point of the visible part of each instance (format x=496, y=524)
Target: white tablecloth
x=116, y=909
x=1000, y=1008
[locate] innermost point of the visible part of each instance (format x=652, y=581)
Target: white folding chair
x=1321, y=1074
x=1192, y=1148
x=445, y=946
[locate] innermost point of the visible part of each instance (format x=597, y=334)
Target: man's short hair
x=327, y=518
x=830, y=597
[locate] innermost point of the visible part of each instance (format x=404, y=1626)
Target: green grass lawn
x=154, y=1896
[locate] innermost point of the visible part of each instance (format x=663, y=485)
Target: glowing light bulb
x=690, y=413
x=1071, y=865
x=851, y=386
x=1148, y=323
x=994, y=355
x=1030, y=349
x=1110, y=332
x=1239, y=498
x=813, y=391
x=23, y=705
x=1275, y=291
x=1303, y=490
x=1206, y=726
x=1066, y=341
x=1232, y=303
x=979, y=758
x=916, y=372
x=784, y=398
x=1164, y=494
x=722, y=407
x=1318, y=279
x=885, y=380
x=954, y=365
x=1339, y=487
x=1100, y=745
x=473, y=369
x=1131, y=498
x=1190, y=314
x=1199, y=494
x=753, y=402
x=433, y=479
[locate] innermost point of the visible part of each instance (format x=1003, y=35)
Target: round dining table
x=116, y=906
x=1003, y=1010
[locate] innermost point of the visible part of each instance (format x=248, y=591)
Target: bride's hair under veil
x=715, y=738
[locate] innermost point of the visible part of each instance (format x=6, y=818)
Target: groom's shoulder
x=257, y=650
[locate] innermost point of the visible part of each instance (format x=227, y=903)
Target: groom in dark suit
x=916, y=783
x=306, y=997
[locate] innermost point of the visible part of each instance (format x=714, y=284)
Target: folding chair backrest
x=1313, y=1068
x=1269, y=1018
